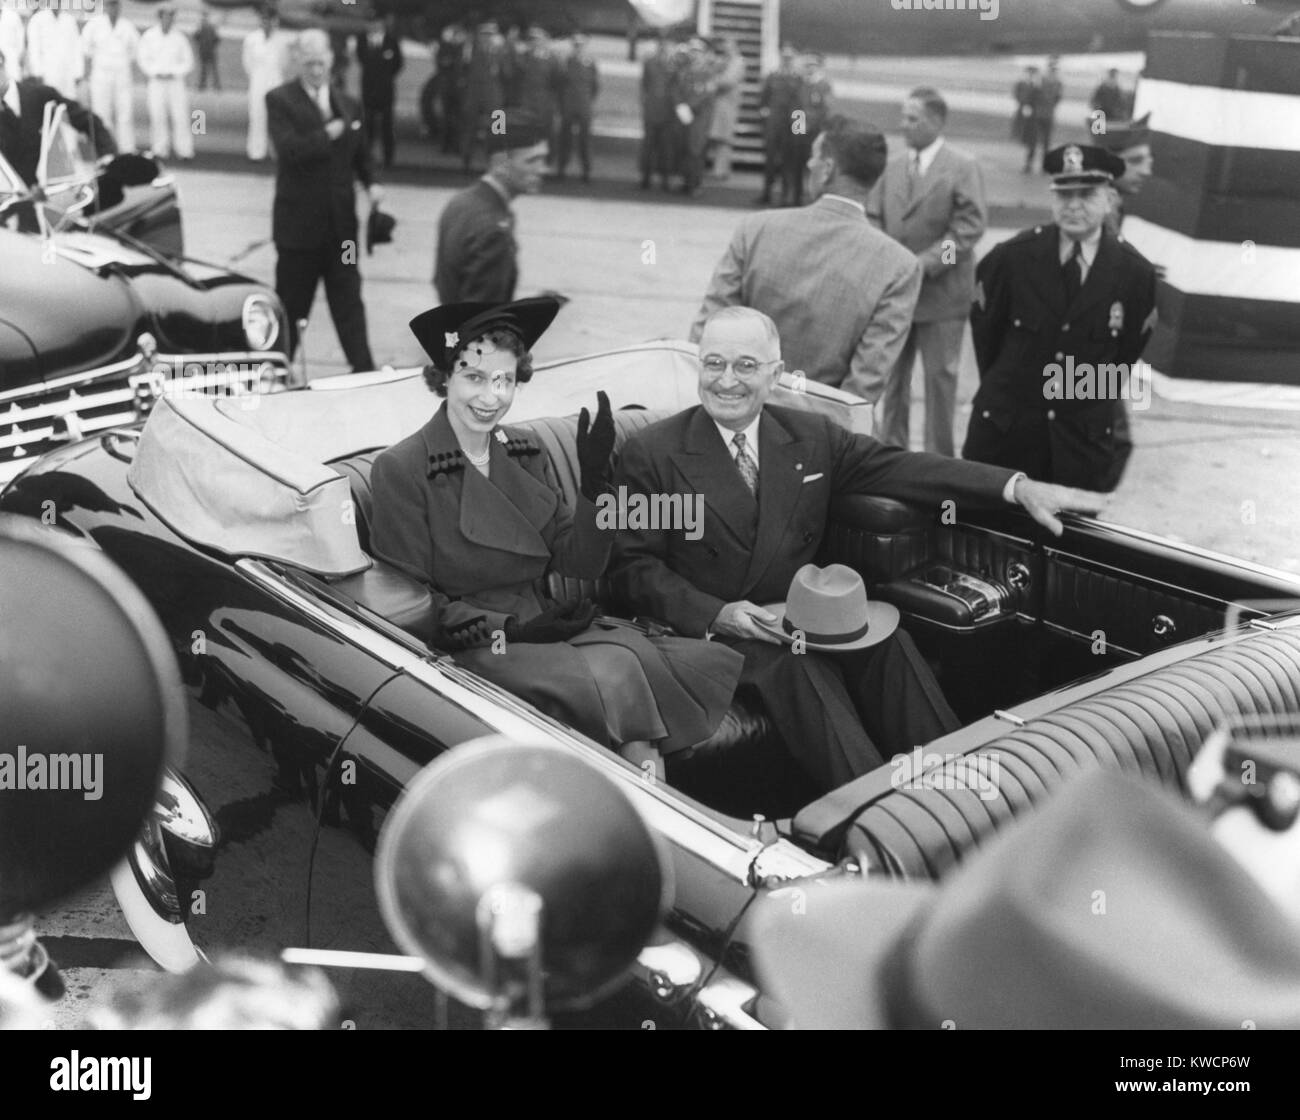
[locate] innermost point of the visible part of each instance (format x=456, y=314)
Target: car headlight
x=261, y=322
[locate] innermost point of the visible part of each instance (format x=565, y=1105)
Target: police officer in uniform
x=1056, y=307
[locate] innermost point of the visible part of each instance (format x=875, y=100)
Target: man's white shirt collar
x=850, y=201
x=1088, y=252
x=11, y=98
x=925, y=156
x=750, y=433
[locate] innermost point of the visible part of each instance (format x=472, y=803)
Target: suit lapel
x=780, y=479
x=505, y=512
x=707, y=466
x=896, y=189
x=1048, y=263
x=927, y=182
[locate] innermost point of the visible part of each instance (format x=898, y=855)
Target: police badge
x=1072, y=160
x=1116, y=317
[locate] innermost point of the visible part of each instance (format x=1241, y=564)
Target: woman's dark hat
x=446, y=330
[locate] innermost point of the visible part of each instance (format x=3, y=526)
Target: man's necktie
x=913, y=171
x=1072, y=272
x=745, y=463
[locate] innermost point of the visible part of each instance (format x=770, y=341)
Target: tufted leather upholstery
x=1148, y=721
x=1076, y=595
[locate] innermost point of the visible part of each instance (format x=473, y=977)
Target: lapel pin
x=798, y=466
x=1117, y=316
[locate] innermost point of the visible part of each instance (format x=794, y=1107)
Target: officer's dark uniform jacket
x=1021, y=325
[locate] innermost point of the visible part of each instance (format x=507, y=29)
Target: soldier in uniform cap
x=1061, y=314
x=476, y=511
x=1131, y=141
x=476, y=254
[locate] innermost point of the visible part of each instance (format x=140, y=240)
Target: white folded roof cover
x=248, y=476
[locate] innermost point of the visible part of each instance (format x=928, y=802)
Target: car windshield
x=66, y=165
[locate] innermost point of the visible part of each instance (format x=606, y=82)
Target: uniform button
x=1060, y=355
x=1051, y=414
x=1065, y=326
x=1017, y=322
x=985, y=414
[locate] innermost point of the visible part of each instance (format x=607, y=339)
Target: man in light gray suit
x=840, y=291
x=931, y=199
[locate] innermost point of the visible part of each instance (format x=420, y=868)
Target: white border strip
x=1219, y=268
x=1227, y=118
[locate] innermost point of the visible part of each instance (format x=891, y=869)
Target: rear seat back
x=1151, y=724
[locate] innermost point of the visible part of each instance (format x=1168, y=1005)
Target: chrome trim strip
x=1009, y=717
x=1057, y=628
x=728, y=851
x=73, y=379
x=275, y=357
x=1191, y=549
x=86, y=427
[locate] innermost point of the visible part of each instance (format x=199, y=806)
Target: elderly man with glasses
x=767, y=475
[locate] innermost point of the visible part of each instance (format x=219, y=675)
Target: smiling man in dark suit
x=767, y=476
x=321, y=153
x=930, y=200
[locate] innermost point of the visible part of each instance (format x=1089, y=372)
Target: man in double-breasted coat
x=1062, y=313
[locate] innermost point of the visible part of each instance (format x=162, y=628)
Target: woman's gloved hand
x=595, y=447
x=555, y=624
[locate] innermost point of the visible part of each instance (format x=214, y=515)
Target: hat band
x=827, y=639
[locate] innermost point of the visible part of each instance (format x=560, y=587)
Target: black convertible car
x=247, y=530
x=100, y=311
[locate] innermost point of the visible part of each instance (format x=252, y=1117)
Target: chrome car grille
x=35, y=419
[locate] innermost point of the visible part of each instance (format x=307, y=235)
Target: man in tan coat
x=840, y=291
x=931, y=199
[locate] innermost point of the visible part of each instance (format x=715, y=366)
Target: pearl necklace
x=479, y=460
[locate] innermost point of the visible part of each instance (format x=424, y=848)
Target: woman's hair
x=504, y=339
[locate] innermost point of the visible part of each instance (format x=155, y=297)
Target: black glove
x=555, y=624
x=468, y=634
x=595, y=448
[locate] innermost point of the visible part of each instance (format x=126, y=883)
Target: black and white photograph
x=651, y=515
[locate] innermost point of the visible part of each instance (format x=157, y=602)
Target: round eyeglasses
x=743, y=368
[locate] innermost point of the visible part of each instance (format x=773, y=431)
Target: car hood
x=71, y=317
x=98, y=294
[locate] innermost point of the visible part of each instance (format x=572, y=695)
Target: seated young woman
x=475, y=511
